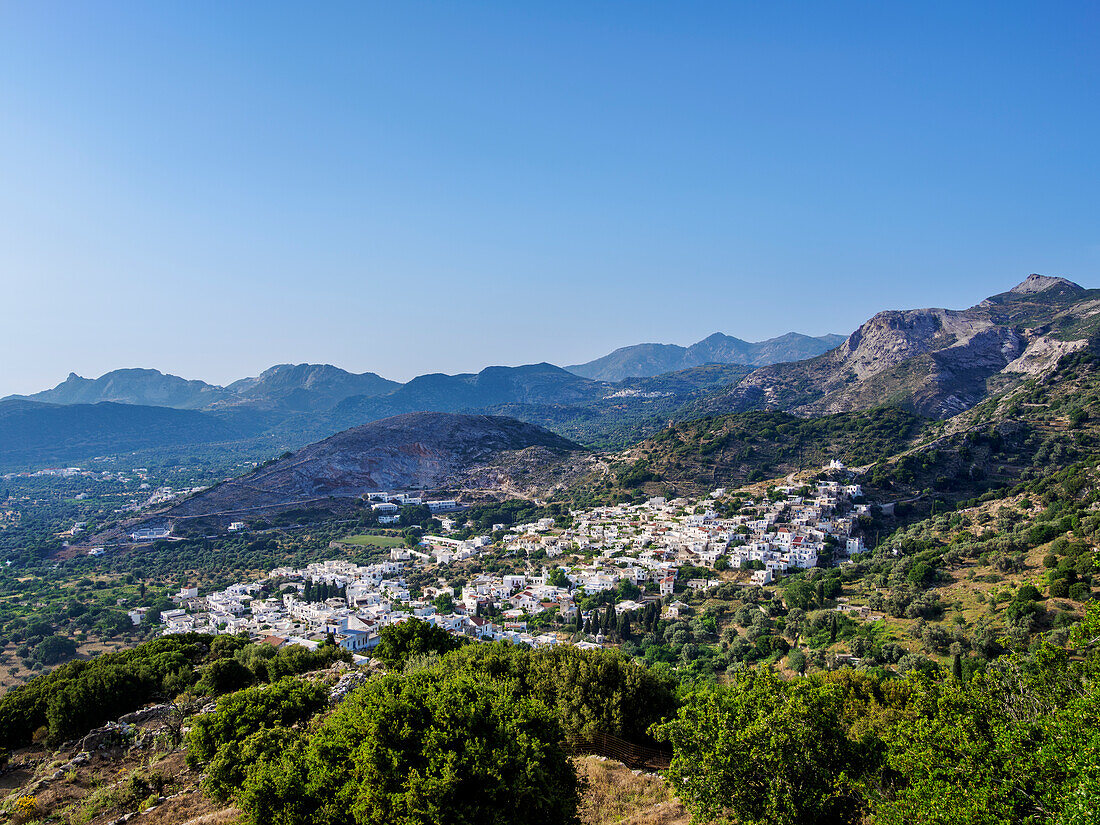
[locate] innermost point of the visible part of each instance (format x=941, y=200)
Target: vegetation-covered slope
x=37, y=434
x=408, y=452
x=731, y=450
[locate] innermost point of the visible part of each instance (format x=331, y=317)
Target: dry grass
x=613, y=794
x=191, y=808
x=226, y=816
x=13, y=672
x=98, y=791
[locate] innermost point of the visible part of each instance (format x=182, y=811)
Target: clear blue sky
x=209, y=188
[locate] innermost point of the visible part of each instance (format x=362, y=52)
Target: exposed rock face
x=937, y=362
x=139, y=717
x=1034, y=283
x=347, y=683
x=415, y=451
x=111, y=735
x=1042, y=355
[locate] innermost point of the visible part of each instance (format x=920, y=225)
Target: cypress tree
x=624, y=626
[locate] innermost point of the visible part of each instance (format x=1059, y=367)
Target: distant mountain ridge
x=322, y=388
x=291, y=387
x=649, y=360
x=530, y=384
x=288, y=406
x=309, y=387
x=131, y=386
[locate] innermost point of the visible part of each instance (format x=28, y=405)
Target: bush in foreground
x=427, y=748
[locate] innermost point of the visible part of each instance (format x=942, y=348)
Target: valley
x=915, y=510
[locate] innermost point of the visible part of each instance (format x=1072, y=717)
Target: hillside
x=530, y=384
x=594, y=413
x=648, y=360
x=1035, y=427
x=37, y=434
x=935, y=362
x=743, y=448
x=418, y=451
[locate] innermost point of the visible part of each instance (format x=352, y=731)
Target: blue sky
x=210, y=188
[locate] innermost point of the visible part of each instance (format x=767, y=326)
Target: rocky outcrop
x=937, y=362
x=347, y=683
x=111, y=735
x=139, y=717
x=1035, y=284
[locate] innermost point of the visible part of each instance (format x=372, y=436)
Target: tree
x=592, y=691
x=799, y=593
x=1028, y=592
x=419, y=514
x=796, y=661
x=557, y=578
x=224, y=676
x=54, y=649
x=1018, y=743
x=768, y=751
x=152, y=615
x=419, y=749
x=609, y=620
x=444, y=603
x=215, y=739
x=624, y=627
x=1079, y=592
x=410, y=638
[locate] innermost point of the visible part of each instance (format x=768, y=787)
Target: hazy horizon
x=209, y=190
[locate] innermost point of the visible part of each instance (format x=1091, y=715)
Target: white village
x=638, y=553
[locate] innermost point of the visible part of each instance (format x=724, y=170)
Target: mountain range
x=314, y=387
x=288, y=387
x=648, y=360
x=289, y=405
x=934, y=363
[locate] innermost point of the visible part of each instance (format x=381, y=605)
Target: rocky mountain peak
x=1034, y=283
